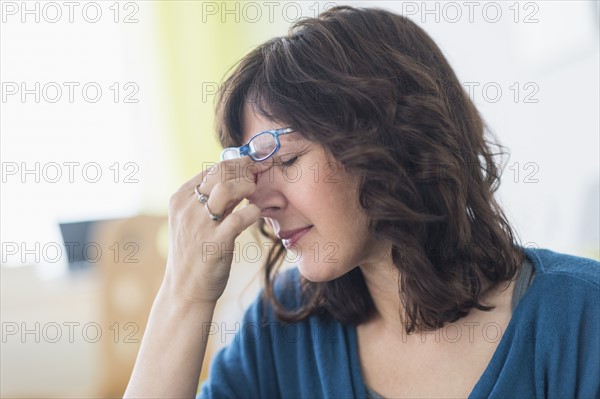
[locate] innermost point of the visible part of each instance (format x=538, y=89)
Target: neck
x=382, y=280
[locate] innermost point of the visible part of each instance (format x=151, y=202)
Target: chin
x=318, y=272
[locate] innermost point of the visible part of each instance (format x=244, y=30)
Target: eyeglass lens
x=262, y=145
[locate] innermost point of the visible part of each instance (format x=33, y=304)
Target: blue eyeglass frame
x=245, y=149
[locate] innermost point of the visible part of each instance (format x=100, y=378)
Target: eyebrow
x=294, y=143
x=295, y=147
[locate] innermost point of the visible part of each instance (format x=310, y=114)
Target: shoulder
x=551, y=265
x=551, y=346
x=564, y=294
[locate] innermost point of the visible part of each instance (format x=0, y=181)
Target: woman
x=409, y=280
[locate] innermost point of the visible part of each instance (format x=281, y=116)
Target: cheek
x=337, y=208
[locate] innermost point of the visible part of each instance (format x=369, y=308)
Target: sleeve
x=570, y=337
x=244, y=369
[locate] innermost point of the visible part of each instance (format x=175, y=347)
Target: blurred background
x=107, y=108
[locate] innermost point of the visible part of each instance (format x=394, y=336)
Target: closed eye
x=290, y=162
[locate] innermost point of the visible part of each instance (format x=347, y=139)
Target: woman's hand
x=200, y=254
x=200, y=248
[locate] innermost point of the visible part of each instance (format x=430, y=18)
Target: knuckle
x=230, y=187
x=224, y=189
x=174, y=201
x=182, y=188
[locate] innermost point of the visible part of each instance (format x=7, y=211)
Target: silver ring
x=214, y=217
x=201, y=197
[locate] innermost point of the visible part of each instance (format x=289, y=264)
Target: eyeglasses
x=259, y=148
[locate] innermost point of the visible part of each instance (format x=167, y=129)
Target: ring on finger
x=214, y=217
x=201, y=197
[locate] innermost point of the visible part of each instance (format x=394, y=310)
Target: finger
x=238, y=170
x=226, y=196
x=240, y=220
x=190, y=185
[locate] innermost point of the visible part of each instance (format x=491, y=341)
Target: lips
x=291, y=237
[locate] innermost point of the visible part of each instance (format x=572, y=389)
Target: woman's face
x=315, y=194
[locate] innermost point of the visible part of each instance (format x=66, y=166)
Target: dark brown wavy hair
x=377, y=93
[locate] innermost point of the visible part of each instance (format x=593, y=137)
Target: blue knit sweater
x=551, y=347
